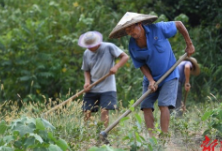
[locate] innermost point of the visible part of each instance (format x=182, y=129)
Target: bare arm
x=190, y=49
x=146, y=71
x=87, y=80
x=187, y=77
x=123, y=59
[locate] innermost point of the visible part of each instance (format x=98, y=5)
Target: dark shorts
x=166, y=95
x=106, y=100
x=179, y=96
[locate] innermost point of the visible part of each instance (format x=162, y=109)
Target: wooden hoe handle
x=75, y=96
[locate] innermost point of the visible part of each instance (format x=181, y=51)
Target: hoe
x=74, y=96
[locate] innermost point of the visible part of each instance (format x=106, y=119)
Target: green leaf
x=124, y=119
x=220, y=115
x=139, y=119
x=8, y=138
x=206, y=115
x=37, y=137
x=2, y=47
x=40, y=66
x=30, y=122
x=153, y=140
x=24, y=27
x=15, y=134
x=6, y=63
x=206, y=132
x=44, y=135
x=50, y=135
x=62, y=144
x=23, y=129
x=218, y=126
x=18, y=144
x=138, y=139
x=4, y=148
x=54, y=148
x=39, y=124
x=47, y=124
x=132, y=108
x=25, y=78
x=3, y=127
x=40, y=149
x=131, y=102
x=93, y=148
x=104, y=148
x=46, y=74
x=29, y=142
x=44, y=56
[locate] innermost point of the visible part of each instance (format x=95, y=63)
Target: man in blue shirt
x=151, y=51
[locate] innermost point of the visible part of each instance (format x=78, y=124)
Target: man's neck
x=141, y=41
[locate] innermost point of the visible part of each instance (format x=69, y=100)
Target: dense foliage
x=40, y=58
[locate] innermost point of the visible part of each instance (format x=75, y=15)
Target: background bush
x=40, y=58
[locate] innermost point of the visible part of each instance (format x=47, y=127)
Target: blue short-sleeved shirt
x=158, y=54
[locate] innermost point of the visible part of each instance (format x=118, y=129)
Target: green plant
x=214, y=118
x=137, y=134
x=104, y=148
x=30, y=134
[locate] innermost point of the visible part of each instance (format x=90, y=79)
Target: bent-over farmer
x=187, y=67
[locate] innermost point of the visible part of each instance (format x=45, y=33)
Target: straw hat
x=90, y=39
x=129, y=19
x=196, y=69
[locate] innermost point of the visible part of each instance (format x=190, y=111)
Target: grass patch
x=186, y=133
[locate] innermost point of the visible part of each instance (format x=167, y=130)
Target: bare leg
x=105, y=117
x=149, y=120
x=164, y=118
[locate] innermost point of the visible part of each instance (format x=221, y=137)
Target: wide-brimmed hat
x=196, y=69
x=90, y=39
x=129, y=19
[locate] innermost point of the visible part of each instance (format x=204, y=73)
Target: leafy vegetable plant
x=30, y=134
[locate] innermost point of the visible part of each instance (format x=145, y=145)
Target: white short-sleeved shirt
x=99, y=64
